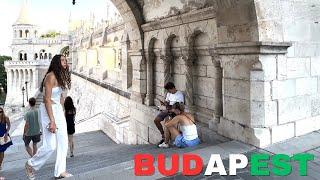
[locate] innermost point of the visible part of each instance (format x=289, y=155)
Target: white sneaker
x=163, y=145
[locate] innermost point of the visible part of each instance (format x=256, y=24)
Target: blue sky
x=48, y=14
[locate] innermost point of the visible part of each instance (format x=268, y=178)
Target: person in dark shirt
x=70, y=112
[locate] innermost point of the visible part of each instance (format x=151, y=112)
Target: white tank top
x=56, y=94
x=189, y=132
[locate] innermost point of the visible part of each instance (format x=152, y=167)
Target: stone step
x=93, y=151
x=125, y=170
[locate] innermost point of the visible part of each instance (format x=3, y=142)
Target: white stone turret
x=31, y=55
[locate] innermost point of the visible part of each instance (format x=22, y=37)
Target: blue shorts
x=182, y=143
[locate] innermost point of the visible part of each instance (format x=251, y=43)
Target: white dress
x=51, y=142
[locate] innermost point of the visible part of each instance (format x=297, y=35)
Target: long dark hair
x=68, y=104
x=62, y=75
x=3, y=117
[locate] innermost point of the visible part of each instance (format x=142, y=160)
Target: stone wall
x=248, y=68
x=159, y=9
x=100, y=108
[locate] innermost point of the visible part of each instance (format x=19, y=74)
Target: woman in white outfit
x=53, y=120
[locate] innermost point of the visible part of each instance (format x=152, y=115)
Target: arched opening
x=20, y=33
x=207, y=78
x=42, y=53
x=26, y=83
x=45, y=56
x=65, y=51
x=50, y=56
x=35, y=33
x=26, y=33
x=35, y=56
x=31, y=81
x=22, y=55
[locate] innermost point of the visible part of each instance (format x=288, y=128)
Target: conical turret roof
x=24, y=17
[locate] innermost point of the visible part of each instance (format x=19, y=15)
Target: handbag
x=2, y=142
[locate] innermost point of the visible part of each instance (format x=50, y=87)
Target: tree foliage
x=3, y=77
x=50, y=34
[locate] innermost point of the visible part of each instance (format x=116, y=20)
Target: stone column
x=126, y=65
x=167, y=61
x=249, y=111
x=188, y=58
x=35, y=79
x=20, y=80
x=14, y=81
x=150, y=94
x=139, y=76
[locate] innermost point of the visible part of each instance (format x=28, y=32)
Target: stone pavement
x=94, y=150
x=309, y=143
x=98, y=157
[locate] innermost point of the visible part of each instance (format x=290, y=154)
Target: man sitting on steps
x=173, y=96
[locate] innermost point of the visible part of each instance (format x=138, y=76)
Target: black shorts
x=34, y=139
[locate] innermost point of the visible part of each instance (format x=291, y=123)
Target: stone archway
x=131, y=13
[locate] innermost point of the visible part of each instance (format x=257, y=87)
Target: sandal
x=65, y=176
x=29, y=171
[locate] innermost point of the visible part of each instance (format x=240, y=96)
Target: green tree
x=50, y=34
x=3, y=77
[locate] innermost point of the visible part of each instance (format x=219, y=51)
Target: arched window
x=42, y=54
x=50, y=56
x=20, y=56
x=20, y=33
x=25, y=56
x=35, y=33
x=27, y=33
x=35, y=56
x=45, y=56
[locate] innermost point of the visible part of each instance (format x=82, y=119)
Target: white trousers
x=51, y=142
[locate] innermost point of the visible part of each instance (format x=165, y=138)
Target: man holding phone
x=173, y=96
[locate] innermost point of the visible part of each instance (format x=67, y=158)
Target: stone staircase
x=39, y=100
x=98, y=157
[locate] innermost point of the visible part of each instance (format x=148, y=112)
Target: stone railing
x=56, y=40
x=103, y=85
x=27, y=63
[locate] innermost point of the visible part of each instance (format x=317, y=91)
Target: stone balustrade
x=27, y=63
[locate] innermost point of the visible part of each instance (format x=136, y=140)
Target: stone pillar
x=126, y=65
x=139, y=76
x=188, y=58
x=150, y=93
x=249, y=112
x=35, y=79
x=167, y=70
x=20, y=80
x=14, y=81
